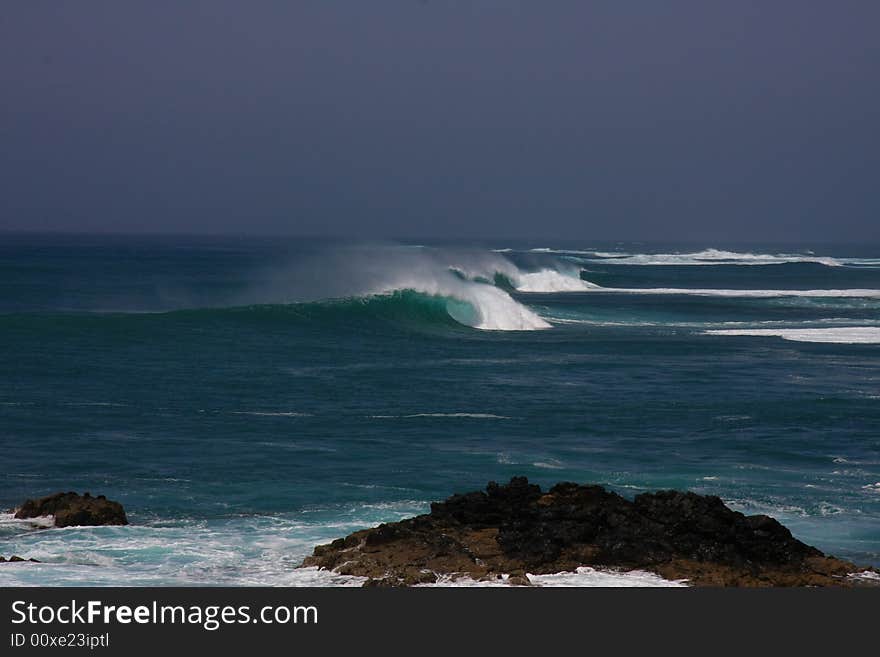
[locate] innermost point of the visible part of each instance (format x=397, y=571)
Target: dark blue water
x=247, y=399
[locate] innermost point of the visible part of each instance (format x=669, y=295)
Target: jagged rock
x=70, y=509
x=518, y=528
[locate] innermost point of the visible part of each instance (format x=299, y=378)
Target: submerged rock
x=517, y=528
x=71, y=509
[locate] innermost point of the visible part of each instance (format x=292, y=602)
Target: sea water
x=247, y=399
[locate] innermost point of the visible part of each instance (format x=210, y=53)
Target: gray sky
x=702, y=120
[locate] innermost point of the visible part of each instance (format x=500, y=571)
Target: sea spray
x=463, y=277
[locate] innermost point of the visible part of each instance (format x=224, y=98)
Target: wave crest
x=550, y=280
x=713, y=257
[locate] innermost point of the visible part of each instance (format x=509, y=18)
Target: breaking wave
x=712, y=292
x=490, y=290
x=705, y=257
x=549, y=280
x=473, y=287
x=836, y=335
x=714, y=257
x=476, y=304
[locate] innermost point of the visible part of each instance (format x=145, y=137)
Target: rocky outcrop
x=70, y=509
x=17, y=559
x=517, y=529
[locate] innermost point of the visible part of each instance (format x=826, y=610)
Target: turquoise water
x=247, y=399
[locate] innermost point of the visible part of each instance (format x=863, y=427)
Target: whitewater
x=708, y=257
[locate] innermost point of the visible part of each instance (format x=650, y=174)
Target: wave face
x=405, y=307
x=475, y=304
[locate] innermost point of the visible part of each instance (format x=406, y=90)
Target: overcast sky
x=639, y=119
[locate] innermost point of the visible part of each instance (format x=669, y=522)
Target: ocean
x=249, y=398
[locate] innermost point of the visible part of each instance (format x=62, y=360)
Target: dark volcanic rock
x=72, y=509
x=17, y=559
x=517, y=528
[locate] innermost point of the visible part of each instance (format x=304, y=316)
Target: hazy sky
x=637, y=119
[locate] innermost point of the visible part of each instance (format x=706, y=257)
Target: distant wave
x=711, y=292
x=709, y=257
x=506, y=275
x=713, y=257
x=549, y=280
x=838, y=335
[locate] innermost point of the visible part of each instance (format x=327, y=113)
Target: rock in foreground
x=71, y=509
x=517, y=528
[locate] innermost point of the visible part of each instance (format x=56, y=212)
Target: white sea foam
x=272, y=413
x=547, y=249
x=838, y=335
x=865, y=575
x=236, y=551
x=551, y=464
x=582, y=577
x=550, y=280
x=480, y=416
x=586, y=576
x=716, y=257
x=10, y=524
x=489, y=416
x=709, y=257
x=712, y=292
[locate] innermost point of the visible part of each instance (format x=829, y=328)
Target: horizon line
x=413, y=238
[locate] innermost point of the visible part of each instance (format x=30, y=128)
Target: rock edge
x=71, y=509
x=517, y=528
